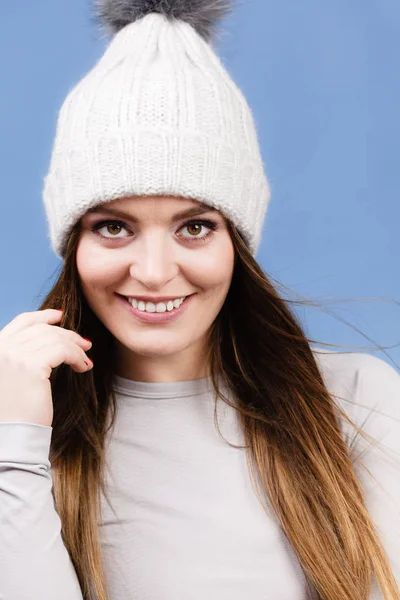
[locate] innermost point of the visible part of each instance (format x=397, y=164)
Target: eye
x=195, y=226
x=113, y=227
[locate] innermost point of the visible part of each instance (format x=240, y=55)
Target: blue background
x=322, y=79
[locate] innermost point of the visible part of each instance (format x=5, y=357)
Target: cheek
x=96, y=269
x=215, y=268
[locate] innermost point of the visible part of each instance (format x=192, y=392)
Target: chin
x=152, y=349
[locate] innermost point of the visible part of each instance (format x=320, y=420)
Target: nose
x=154, y=262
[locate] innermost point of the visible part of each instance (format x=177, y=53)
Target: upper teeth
x=159, y=307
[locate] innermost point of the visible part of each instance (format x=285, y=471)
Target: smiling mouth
x=152, y=307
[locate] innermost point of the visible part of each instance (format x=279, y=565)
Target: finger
x=27, y=319
x=43, y=332
x=53, y=355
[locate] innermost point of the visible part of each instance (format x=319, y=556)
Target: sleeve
x=34, y=562
x=376, y=410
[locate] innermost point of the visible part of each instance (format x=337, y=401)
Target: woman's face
x=146, y=249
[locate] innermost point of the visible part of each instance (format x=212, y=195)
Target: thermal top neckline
x=162, y=390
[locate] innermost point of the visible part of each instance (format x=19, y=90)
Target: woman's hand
x=30, y=347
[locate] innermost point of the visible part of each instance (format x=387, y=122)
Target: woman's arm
x=377, y=411
x=34, y=563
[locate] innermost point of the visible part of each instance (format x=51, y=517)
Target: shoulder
x=367, y=378
x=366, y=387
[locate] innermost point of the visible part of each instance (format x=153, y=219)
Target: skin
x=158, y=255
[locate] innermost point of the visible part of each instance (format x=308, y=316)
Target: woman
x=205, y=449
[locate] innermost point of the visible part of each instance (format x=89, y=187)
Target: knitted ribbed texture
x=158, y=114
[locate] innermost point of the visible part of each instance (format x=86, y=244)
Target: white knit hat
x=157, y=115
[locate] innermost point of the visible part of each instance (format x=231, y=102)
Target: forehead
x=142, y=207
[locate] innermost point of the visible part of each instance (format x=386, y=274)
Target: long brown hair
x=294, y=446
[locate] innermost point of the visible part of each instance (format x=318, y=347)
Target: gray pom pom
x=200, y=14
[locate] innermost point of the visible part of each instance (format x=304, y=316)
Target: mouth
x=159, y=305
x=156, y=313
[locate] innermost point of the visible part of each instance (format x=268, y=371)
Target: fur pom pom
x=200, y=14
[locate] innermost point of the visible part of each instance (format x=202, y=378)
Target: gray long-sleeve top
x=186, y=523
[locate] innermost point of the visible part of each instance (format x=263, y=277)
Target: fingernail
x=87, y=340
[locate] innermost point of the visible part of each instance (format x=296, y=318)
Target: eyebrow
x=191, y=212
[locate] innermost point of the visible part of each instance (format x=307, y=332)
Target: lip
x=154, y=299
x=155, y=317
